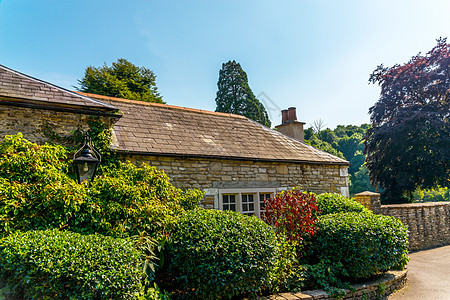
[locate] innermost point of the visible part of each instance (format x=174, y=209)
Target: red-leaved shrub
x=292, y=214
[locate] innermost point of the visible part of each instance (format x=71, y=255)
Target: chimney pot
x=284, y=116
x=289, y=125
x=292, y=115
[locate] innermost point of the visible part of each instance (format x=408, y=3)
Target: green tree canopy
x=123, y=80
x=408, y=144
x=346, y=141
x=234, y=95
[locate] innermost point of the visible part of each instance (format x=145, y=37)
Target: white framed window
x=229, y=202
x=247, y=201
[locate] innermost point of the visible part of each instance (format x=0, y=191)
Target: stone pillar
x=370, y=200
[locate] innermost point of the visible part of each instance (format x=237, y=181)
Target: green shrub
x=35, y=190
x=432, y=195
x=36, y=193
x=330, y=203
x=222, y=254
x=56, y=264
x=287, y=275
x=127, y=200
x=359, y=245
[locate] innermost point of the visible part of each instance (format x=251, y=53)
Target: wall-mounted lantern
x=86, y=161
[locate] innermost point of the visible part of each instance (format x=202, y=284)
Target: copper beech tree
x=408, y=145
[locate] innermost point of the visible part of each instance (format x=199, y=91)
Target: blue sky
x=314, y=55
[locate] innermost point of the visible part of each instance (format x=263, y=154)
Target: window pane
x=262, y=197
x=229, y=202
x=248, y=204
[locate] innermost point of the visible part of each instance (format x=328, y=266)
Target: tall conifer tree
x=234, y=95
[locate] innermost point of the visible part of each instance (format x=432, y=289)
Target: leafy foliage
x=123, y=79
x=222, y=254
x=127, y=200
x=317, y=143
x=287, y=275
x=407, y=146
x=432, y=195
x=358, y=245
x=56, y=264
x=101, y=135
x=234, y=95
x=345, y=142
x=292, y=214
x=36, y=193
x=330, y=203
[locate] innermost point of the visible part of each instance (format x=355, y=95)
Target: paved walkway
x=428, y=276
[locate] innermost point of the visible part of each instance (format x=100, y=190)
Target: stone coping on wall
x=415, y=205
x=380, y=287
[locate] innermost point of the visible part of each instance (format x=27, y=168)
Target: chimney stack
x=292, y=115
x=290, y=126
x=284, y=116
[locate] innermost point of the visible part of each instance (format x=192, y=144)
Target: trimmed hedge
x=222, y=254
x=330, y=203
x=359, y=245
x=56, y=264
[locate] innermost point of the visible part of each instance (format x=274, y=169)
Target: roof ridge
x=108, y=98
x=54, y=86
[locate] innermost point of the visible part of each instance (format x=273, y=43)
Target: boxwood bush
x=56, y=264
x=330, y=203
x=221, y=254
x=359, y=245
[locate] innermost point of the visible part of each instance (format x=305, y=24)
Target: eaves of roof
x=18, y=89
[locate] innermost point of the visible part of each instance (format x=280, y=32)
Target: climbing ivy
x=100, y=133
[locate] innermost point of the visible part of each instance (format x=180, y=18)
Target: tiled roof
x=158, y=129
x=19, y=88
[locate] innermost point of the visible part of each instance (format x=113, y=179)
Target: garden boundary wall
x=428, y=223
x=377, y=289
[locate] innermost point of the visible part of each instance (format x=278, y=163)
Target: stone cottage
x=236, y=161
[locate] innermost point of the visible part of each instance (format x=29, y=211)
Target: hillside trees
x=123, y=80
x=345, y=142
x=408, y=144
x=234, y=95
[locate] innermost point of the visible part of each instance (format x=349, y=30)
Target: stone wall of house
x=32, y=123
x=211, y=175
x=428, y=223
